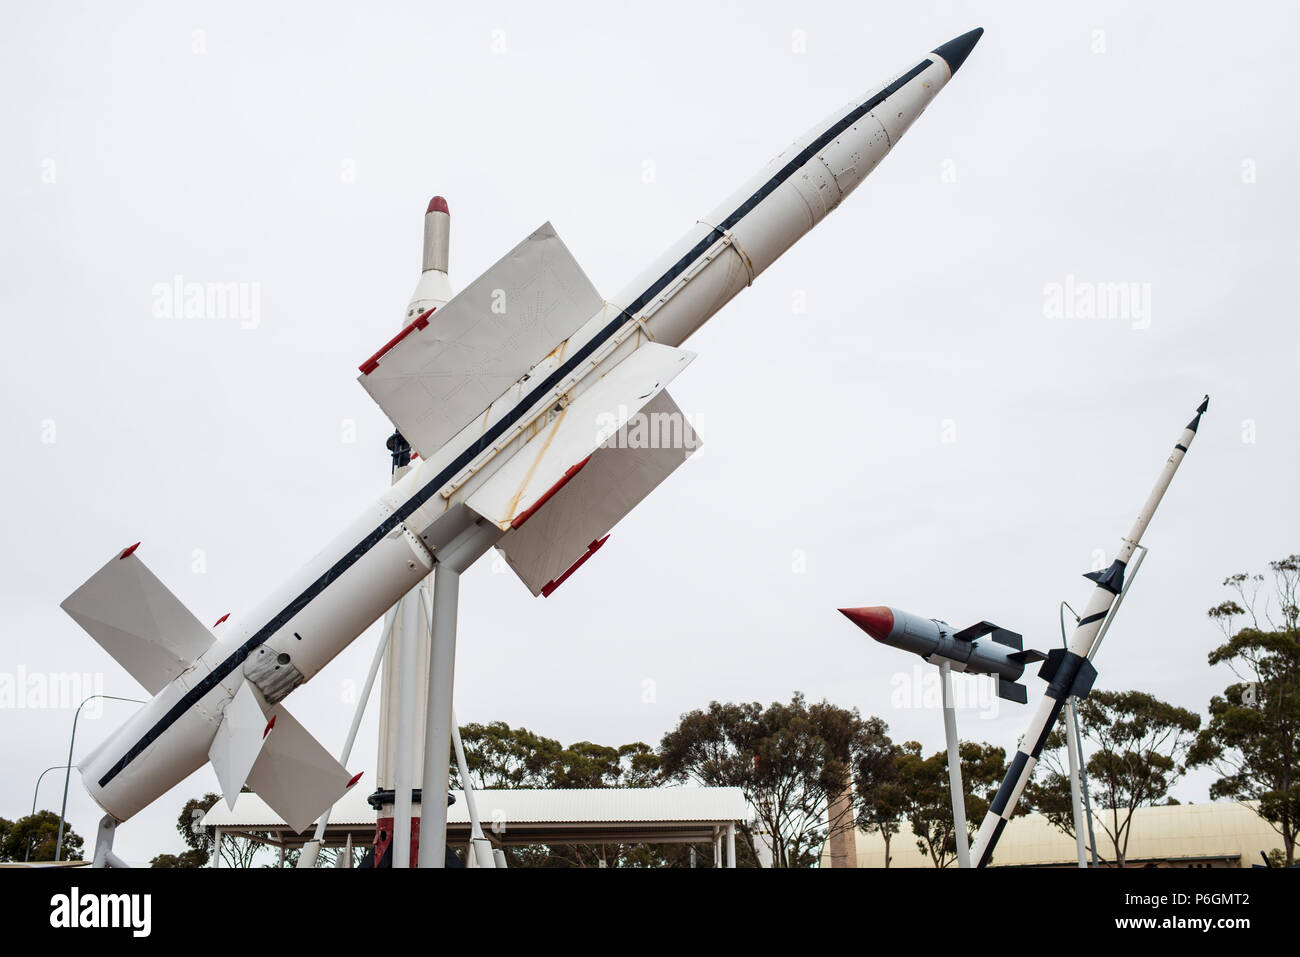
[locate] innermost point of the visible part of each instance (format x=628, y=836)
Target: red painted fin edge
x=555, y=583
x=527, y=513
x=419, y=322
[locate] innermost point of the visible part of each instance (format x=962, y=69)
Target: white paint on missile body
x=392, y=544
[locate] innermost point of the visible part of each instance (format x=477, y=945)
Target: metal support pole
x=311, y=850
x=438, y=719
x=408, y=663
x=1076, y=796
x=954, y=768
x=717, y=847
x=1083, y=786
x=35, y=791
x=63, y=811
x=731, y=843
x=216, y=847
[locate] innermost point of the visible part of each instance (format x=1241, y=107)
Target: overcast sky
x=926, y=432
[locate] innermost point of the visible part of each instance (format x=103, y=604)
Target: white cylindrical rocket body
x=433, y=290
x=781, y=203
x=275, y=646
x=389, y=549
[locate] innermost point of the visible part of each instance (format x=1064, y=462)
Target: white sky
x=823, y=429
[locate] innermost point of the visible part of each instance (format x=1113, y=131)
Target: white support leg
x=731, y=843
x=104, y=856
x=438, y=719
x=1076, y=793
x=408, y=663
x=311, y=850
x=216, y=848
x=954, y=768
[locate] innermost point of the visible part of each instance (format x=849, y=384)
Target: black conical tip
x=1205, y=404
x=955, y=52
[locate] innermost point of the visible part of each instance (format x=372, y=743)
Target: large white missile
x=539, y=412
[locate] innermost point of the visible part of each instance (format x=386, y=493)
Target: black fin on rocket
x=1028, y=657
x=1010, y=691
x=975, y=631
x=1111, y=578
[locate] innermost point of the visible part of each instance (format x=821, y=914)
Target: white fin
x=588, y=467
x=445, y=369
x=238, y=742
x=133, y=617
x=295, y=775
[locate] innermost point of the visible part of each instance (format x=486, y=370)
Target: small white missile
x=525, y=395
x=434, y=288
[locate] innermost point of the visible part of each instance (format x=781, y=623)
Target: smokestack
x=434, y=288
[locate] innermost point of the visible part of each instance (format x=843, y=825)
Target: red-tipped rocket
x=434, y=287
x=1002, y=655
x=503, y=390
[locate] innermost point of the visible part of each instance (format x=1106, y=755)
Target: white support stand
x=104, y=856
x=717, y=847
x=481, y=846
x=954, y=768
x=408, y=687
x=452, y=559
x=731, y=843
x=1076, y=792
x=311, y=850
x=438, y=717
x=216, y=847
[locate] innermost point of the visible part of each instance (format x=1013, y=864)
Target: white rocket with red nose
x=539, y=411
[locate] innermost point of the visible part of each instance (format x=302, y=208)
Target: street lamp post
x=35, y=792
x=63, y=811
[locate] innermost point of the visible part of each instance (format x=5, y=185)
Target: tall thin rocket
x=1069, y=671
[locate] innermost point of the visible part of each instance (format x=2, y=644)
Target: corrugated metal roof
x=595, y=805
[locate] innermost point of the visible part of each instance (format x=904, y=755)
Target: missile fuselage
x=982, y=649
x=394, y=542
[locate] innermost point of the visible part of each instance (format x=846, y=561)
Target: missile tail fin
x=295, y=775
x=590, y=466
x=136, y=619
x=238, y=742
x=1011, y=691
x=447, y=366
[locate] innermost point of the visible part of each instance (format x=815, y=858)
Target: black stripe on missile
x=494, y=432
x=1009, y=783
x=1180, y=447
x=1058, y=704
x=1091, y=618
x=993, y=840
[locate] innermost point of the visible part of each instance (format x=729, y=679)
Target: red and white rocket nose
x=433, y=290
x=877, y=621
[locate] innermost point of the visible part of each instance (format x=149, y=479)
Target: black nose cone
x=955, y=52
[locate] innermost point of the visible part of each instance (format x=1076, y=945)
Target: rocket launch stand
x=954, y=767
x=1081, y=805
